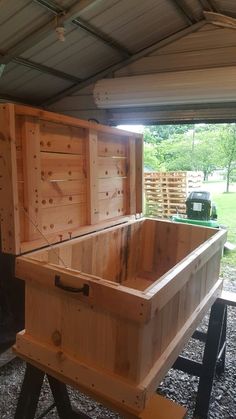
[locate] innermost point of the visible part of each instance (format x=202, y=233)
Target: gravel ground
x=177, y=386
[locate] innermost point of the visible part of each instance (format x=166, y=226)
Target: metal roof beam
x=184, y=10
x=45, y=69
x=53, y=7
x=86, y=27
x=115, y=67
x=101, y=36
x=42, y=32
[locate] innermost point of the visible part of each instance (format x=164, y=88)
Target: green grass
x=226, y=209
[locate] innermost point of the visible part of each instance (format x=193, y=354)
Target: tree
x=175, y=154
x=228, y=150
x=151, y=160
x=156, y=134
x=204, y=147
x=206, y=155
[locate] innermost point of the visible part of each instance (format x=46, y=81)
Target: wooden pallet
x=166, y=192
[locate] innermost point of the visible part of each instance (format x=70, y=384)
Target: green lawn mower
x=200, y=210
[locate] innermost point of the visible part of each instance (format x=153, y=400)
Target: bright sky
x=133, y=128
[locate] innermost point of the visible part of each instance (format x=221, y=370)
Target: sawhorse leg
x=29, y=395
x=214, y=342
x=30, y=392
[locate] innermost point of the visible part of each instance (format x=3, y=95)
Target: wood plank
x=59, y=138
x=64, y=200
x=112, y=207
x=111, y=167
x=79, y=374
x=64, y=188
x=118, y=299
x=165, y=289
x=167, y=359
x=161, y=408
x=112, y=145
x=63, y=218
x=61, y=166
x=147, y=252
x=68, y=120
x=178, y=411
x=9, y=207
x=19, y=163
x=112, y=188
x=75, y=233
x=92, y=170
x=131, y=168
x=32, y=178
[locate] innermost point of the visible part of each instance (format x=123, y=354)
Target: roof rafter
x=124, y=62
x=52, y=6
x=86, y=27
x=185, y=10
x=101, y=36
x=42, y=32
x=45, y=69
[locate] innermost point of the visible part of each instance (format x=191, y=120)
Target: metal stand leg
x=30, y=391
x=211, y=352
x=62, y=400
x=220, y=366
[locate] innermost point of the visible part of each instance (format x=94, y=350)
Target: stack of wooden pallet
x=166, y=192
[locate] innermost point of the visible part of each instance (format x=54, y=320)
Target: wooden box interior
x=135, y=254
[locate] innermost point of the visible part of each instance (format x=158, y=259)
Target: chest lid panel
x=62, y=177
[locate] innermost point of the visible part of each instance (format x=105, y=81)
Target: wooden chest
x=110, y=308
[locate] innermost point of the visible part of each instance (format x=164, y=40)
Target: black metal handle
x=84, y=289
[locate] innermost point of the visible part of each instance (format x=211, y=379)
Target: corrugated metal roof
x=79, y=55
x=137, y=23
x=114, y=31
x=18, y=19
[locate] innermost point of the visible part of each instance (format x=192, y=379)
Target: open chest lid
x=61, y=177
